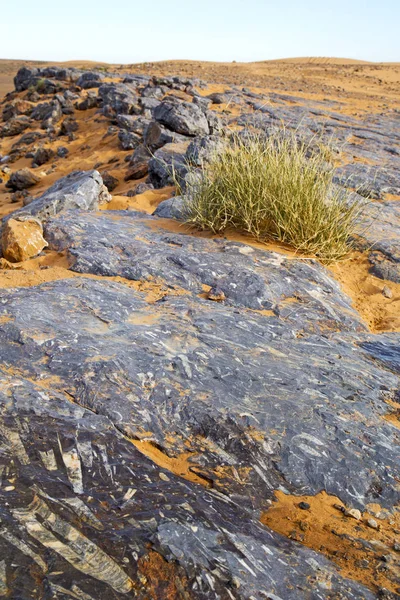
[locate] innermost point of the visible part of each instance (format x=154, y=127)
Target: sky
x=131, y=31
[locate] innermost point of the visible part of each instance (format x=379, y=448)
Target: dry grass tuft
x=275, y=188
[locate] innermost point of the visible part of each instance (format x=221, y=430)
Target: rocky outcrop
x=154, y=399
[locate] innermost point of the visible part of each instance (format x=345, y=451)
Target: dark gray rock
x=183, y=117
x=62, y=151
x=167, y=164
x=49, y=113
x=119, y=98
x=148, y=104
x=15, y=126
x=91, y=101
x=203, y=102
x=215, y=124
x=43, y=155
x=80, y=189
x=248, y=277
x=140, y=155
x=69, y=125
x=155, y=136
x=83, y=509
x=109, y=181
x=173, y=208
x=25, y=78
x=218, y=98
x=22, y=180
x=153, y=91
x=131, y=123
x=90, y=80
x=202, y=149
x=128, y=139
x=29, y=138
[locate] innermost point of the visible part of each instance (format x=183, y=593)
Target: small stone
x=216, y=294
x=303, y=505
x=137, y=171
x=387, y=292
x=396, y=546
x=372, y=523
x=22, y=239
x=354, y=513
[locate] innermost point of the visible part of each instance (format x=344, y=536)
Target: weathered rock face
x=147, y=422
x=22, y=239
x=55, y=545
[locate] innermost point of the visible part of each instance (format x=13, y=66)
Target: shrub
x=274, y=187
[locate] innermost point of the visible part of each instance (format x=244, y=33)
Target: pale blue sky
x=127, y=31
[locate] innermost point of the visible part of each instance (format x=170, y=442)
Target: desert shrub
x=274, y=187
x=40, y=85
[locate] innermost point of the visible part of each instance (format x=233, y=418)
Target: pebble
x=303, y=505
x=372, y=523
x=353, y=512
x=387, y=292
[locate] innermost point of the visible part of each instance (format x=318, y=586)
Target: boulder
x=15, y=126
x=89, y=80
x=155, y=136
x=69, y=125
x=109, y=181
x=183, y=117
x=137, y=171
x=203, y=102
x=173, y=208
x=15, y=108
x=168, y=163
x=218, y=98
x=128, y=139
x=202, y=149
x=120, y=98
x=29, y=138
x=43, y=155
x=91, y=101
x=81, y=189
x=132, y=123
x=215, y=124
x=22, y=239
x=62, y=151
x=141, y=154
x=22, y=179
x=49, y=113
x=25, y=78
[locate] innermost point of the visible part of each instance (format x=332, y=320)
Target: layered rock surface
x=153, y=401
